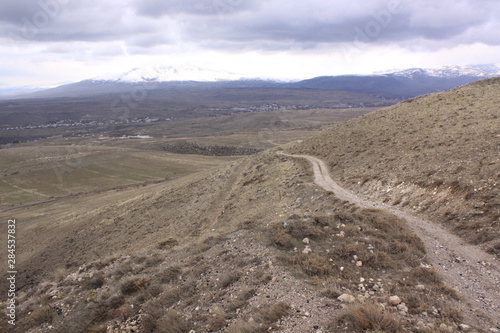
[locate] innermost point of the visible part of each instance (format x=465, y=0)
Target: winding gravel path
x=474, y=273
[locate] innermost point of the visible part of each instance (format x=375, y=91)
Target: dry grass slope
x=205, y=253
x=436, y=154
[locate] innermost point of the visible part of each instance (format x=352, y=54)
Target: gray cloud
x=251, y=24
x=158, y=8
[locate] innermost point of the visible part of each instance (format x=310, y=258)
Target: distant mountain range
x=397, y=84
x=168, y=74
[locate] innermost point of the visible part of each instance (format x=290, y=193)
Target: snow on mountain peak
x=169, y=73
x=480, y=71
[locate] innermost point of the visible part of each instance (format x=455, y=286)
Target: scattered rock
x=359, y=263
x=444, y=328
x=402, y=308
x=421, y=325
x=464, y=328
x=346, y=298
x=420, y=287
x=307, y=250
x=394, y=300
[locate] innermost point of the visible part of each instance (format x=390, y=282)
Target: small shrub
x=167, y=244
x=169, y=274
x=280, y=237
x=379, y=260
x=448, y=291
x=98, y=328
x=94, y=282
x=148, y=323
x=426, y=275
x=217, y=320
x=246, y=327
x=172, y=322
x=170, y=297
x=330, y=293
x=313, y=265
x=306, y=228
x=133, y=285
x=370, y=317
x=113, y=301
x=228, y=279
x=269, y=314
x=154, y=290
x=416, y=303
x=346, y=251
x=121, y=270
x=41, y=315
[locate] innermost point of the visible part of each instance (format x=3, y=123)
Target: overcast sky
x=53, y=41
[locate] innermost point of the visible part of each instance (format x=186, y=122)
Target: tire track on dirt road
x=474, y=273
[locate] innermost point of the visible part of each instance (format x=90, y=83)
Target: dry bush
x=268, y=314
x=218, y=319
x=331, y=293
x=97, y=328
x=280, y=236
x=167, y=244
x=426, y=275
x=369, y=317
x=134, y=284
x=378, y=260
x=448, y=291
x=94, y=282
x=382, y=220
x=246, y=327
x=121, y=270
x=169, y=274
x=148, y=323
x=347, y=250
x=228, y=279
x=113, y=301
x=170, y=297
x=60, y=274
x=416, y=303
x=41, y=315
x=313, y=265
x=172, y=322
x=246, y=293
x=154, y=290
x=454, y=314
x=306, y=228
x=397, y=247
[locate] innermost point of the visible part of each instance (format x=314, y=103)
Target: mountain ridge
x=400, y=84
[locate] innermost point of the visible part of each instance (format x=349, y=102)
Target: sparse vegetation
x=250, y=246
x=426, y=154
x=368, y=317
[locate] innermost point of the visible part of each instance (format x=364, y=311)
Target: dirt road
x=474, y=273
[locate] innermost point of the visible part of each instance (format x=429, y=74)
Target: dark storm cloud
x=261, y=25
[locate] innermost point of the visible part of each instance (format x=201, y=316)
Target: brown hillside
x=436, y=154
x=252, y=245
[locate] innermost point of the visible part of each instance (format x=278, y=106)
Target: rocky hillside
x=436, y=154
x=254, y=246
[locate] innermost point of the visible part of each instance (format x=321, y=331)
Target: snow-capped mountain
x=168, y=74
x=398, y=84
x=449, y=72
